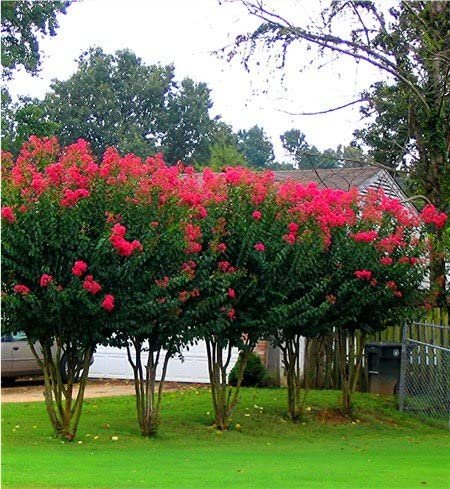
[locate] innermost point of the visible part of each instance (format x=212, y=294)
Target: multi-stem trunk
x=291, y=361
x=148, y=394
x=224, y=397
x=62, y=401
x=350, y=355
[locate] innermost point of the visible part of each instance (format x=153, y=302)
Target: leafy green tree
x=189, y=128
x=117, y=100
x=112, y=100
x=22, y=24
x=26, y=119
x=256, y=147
x=224, y=149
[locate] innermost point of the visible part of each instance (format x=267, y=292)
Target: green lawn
x=382, y=449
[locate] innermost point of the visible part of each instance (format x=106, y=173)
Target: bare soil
x=32, y=390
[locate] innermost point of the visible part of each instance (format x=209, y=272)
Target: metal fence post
x=401, y=390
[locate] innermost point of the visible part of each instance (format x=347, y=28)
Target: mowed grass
x=382, y=448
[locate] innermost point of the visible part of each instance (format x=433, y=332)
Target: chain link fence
x=425, y=372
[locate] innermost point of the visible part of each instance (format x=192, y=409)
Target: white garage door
x=112, y=363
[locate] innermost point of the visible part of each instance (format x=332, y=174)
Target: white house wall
x=112, y=363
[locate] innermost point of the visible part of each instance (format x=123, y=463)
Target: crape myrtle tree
x=148, y=259
x=297, y=288
x=228, y=245
x=54, y=283
x=378, y=262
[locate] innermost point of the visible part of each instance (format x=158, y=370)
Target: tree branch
x=327, y=111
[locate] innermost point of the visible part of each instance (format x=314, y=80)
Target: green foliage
x=308, y=157
x=255, y=374
x=22, y=24
x=224, y=150
x=188, y=129
x=22, y=121
x=256, y=147
x=117, y=100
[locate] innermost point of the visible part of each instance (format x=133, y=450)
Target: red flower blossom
x=257, y=215
x=79, y=268
x=121, y=245
x=293, y=227
x=91, y=285
x=21, y=289
x=430, y=215
x=183, y=296
x=8, y=214
x=231, y=293
x=391, y=285
x=223, y=266
x=403, y=259
x=231, y=314
x=71, y=197
x=195, y=293
x=221, y=247
x=386, y=260
x=365, y=236
x=193, y=247
x=289, y=238
x=108, y=302
x=259, y=247
x=45, y=280
x=119, y=230
x=363, y=274
x=163, y=283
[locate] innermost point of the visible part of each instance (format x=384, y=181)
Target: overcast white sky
x=184, y=32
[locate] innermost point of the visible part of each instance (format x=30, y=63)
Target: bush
x=255, y=374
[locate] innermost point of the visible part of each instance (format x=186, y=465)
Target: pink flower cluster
x=430, y=215
x=79, y=268
x=363, y=274
x=45, y=280
x=8, y=214
x=365, y=236
x=120, y=244
x=91, y=285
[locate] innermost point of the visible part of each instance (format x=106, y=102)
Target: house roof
x=337, y=178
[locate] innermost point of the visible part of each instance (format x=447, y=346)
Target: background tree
x=189, y=128
x=25, y=119
x=117, y=100
x=409, y=43
x=256, y=147
x=224, y=150
x=112, y=100
x=22, y=25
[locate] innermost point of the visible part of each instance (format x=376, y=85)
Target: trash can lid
x=381, y=344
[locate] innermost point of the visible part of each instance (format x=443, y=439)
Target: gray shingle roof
x=337, y=178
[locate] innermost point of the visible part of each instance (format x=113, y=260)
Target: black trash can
x=383, y=360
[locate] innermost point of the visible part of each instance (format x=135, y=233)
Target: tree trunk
x=224, y=397
x=291, y=360
x=350, y=355
x=148, y=396
x=63, y=409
